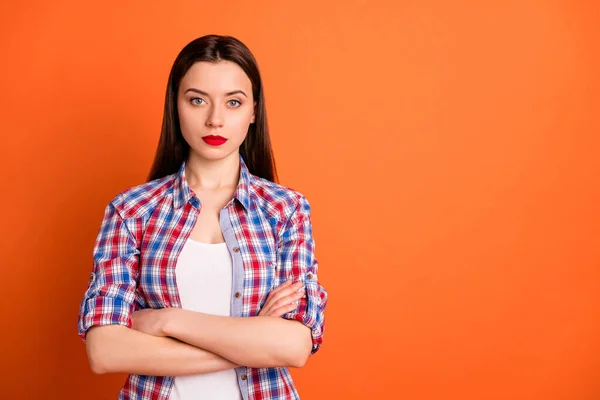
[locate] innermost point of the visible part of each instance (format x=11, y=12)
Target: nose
x=215, y=117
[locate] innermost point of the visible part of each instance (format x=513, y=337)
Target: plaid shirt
x=268, y=232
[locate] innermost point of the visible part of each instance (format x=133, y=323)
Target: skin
x=213, y=99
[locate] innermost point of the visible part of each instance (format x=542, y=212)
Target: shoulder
x=137, y=201
x=278, y=200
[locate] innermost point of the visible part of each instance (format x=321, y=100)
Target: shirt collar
x=183, y=194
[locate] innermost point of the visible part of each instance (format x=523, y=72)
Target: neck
x=202, y=174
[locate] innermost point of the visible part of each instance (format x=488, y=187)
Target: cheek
x=240, y=120
x=237, y=123
x=191, y=123
x=187, y=118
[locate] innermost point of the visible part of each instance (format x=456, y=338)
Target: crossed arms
x=171, y=341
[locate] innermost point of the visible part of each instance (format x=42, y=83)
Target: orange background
x=450, y=152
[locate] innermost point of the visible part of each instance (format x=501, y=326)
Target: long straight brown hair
x=255, y=149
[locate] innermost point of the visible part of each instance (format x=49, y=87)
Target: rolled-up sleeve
x=110, y=293
x=296, y=259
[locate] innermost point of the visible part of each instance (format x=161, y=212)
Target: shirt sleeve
x=110, y=294
x=296, y=259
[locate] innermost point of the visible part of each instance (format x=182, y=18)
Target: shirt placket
x=237, y=283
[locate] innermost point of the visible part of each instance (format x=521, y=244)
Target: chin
x=214, y=154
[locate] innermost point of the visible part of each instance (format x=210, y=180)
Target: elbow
x=97, y=351
x=299, y=361
x=289, y=354
x=97, y=363
x=299, y=357
x=97, y=367
x=97, y=359
x=302, y=348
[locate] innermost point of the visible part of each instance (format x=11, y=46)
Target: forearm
x=258, y=342
x=116, y=348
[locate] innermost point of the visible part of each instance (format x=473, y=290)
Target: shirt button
x=236, y=249
x=237, y=294
x=309, y=276
x=244, y=377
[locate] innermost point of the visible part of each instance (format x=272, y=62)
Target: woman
x=204, y=283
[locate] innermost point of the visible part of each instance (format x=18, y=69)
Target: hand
x=282, y=299
x=150, y=321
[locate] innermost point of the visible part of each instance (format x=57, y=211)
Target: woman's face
x=215, y=99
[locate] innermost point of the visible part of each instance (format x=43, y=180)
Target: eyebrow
x=206, y=94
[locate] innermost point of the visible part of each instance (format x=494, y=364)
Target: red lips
x=214, y=140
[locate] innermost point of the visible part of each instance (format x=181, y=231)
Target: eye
x=234, y=105
x=194, y=102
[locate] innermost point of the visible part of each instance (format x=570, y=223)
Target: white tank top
x=204, y=280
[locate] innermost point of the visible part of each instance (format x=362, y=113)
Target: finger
x=276, y=296
x=282, y=302
x=291, y=298
x=265, y=310
x=287, y=290
x=280, y=299
x=279, y=312
x=285, y=284
x=270, y=304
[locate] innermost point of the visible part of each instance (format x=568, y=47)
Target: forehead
x=223, y=76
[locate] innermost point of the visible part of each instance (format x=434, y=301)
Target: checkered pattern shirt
x=142, y=233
